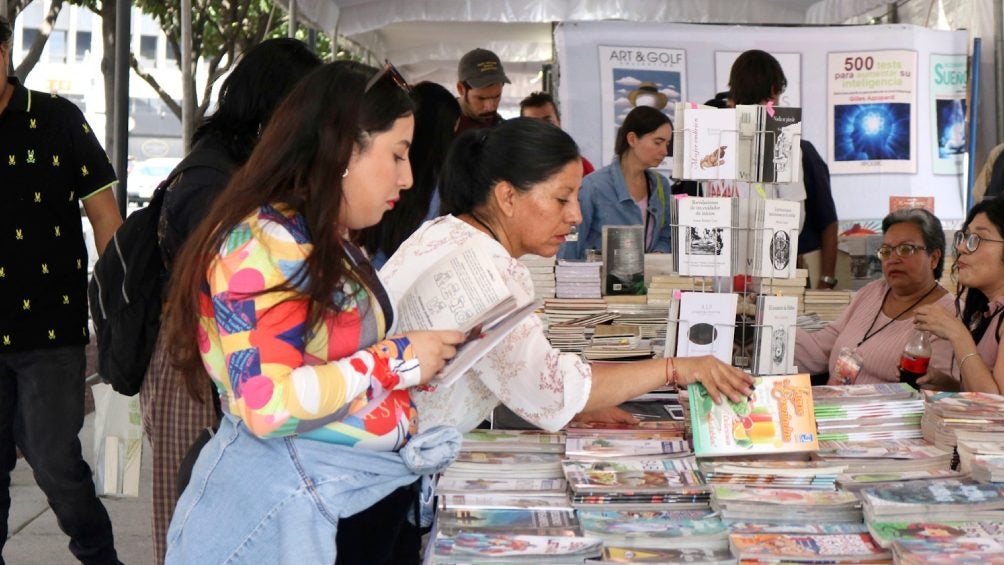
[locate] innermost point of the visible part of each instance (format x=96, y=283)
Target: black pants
x=382, y=534
x=42, y=411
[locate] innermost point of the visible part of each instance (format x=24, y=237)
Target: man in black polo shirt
x=50, y=161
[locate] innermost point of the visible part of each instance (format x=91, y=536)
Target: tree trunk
x=35, y=52
x=107, y=14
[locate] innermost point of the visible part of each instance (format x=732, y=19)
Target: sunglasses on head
x=388, y=70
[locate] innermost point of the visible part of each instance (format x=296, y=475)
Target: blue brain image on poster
x=867, y=132
x=951, y=115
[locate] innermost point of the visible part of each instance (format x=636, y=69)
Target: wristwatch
x=829, y=279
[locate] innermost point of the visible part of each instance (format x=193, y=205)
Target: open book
x=463, y=291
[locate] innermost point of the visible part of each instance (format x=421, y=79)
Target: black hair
x=259, y=82
x=298, y=162
x=930, y=230
x=538, y=100
x=972, y=306
x=640, y=121
x=436, y=114
x=4, y=29
x=520, y=151
x=756, y=76
x=721, y=100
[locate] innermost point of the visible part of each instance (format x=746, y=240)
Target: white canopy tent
x=426, y=39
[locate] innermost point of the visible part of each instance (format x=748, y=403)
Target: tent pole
x=120, y=118
x=292, y=19
x=999, y=66
x=187, y=102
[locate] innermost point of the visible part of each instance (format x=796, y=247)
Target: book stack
x=660, y=529
x=885, y=533
x=827, y=304
x=808, y=548
x=657, y=264
x=774, y=335
x=853, y=482
x=771, y=474
x=770, y=505
x=571, y=322
x=954, y=551
x=542, y=273
x=617, y=342
x=662, y=288
x=987, y=469
x=589, y=444
x=501, y=547
x=794, y=286
x=946, y=413
x=514, y=441
x=577, y=279
x=615, y=555
x=777, y=418
x=970, y=449
x=884, y=456
x=940, y=500
x=636, y=483
x=868, y=412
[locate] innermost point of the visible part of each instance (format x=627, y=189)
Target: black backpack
x=126, y=289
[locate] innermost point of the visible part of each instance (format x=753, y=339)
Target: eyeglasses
x=902, y=250
x=388, y=70
x=971, y=241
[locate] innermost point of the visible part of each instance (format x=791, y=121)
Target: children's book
x=777, y=418
x=632, y=475
x=792, y=546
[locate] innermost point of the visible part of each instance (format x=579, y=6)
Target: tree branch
x=35, y=53
x=171, y=103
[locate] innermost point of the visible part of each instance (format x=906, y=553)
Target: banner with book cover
x=638, y=76
x=872, y=112
x=948, y=112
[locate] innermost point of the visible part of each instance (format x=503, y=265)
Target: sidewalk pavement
x=35, y=538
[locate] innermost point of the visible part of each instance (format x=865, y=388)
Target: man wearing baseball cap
x=480, y=77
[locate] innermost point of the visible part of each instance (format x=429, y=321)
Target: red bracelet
x=674, y=377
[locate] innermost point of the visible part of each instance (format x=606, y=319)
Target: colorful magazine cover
x=956, y=551
x=494, y=545
x=729, y=494
x=775, y=546
x=653, y=528
x=615, y=554
x=887, y=532
x=777, y=418
x=640, y=475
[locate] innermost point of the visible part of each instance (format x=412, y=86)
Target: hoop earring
x=345, y=173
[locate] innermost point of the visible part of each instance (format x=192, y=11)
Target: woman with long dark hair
x=272, y=300
x=976, y=333
x=436, y=114
x=172, y=419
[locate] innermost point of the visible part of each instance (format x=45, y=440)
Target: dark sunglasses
x=388, y=70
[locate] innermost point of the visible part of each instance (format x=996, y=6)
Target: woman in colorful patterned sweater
x=286, y=316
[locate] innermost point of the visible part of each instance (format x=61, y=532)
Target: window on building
x=57, y=46
x=148, y=49
x=83, y=44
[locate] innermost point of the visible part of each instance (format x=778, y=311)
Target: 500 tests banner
x=884, y=105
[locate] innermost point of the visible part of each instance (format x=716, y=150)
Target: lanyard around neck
x=869, y=333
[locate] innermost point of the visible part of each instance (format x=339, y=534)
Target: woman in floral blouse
x=274, y=303
x=513, y=190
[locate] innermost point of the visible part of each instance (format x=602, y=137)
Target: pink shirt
x=988, y=345
x=817, y=352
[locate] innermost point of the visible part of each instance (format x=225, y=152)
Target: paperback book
x=777, y=418
x=624, y=259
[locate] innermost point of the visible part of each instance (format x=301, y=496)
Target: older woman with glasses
x=864, y=345
x=975, y=332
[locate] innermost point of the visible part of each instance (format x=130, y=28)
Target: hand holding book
x=717, y=377
x=434, y=349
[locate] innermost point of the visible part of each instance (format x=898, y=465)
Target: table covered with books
x=798, y=474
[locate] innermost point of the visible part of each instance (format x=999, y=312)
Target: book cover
x=617, y=554
x=709, y=144
x=886, y=532
x=707, y=325
x=631, y=475
x=777, y=418
x=781, y=154
x=624, y=259
x=480, y=545
x=792, y=546
x=703, y=244
x=607, y=447
x=506, y=519
x=504, y=501
x=776, y=238
x=777, y=317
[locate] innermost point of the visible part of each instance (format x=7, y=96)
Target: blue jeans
x=279, y=500
x=42, y=411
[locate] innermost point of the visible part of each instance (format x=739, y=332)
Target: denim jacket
x=605, y=201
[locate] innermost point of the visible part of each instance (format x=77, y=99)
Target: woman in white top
x=513, y=190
